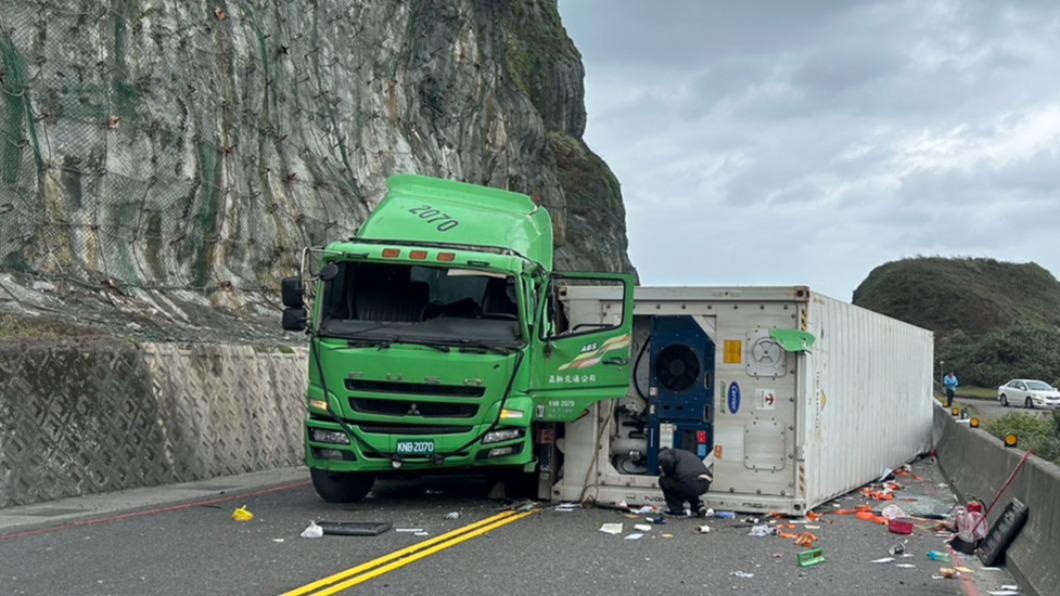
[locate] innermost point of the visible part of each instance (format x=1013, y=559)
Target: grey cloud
x=788, y=142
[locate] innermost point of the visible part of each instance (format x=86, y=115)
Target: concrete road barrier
x=99, y=416
x=978, y=464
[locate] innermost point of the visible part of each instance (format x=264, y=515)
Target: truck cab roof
x=420, y=209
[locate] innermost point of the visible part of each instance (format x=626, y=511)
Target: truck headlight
x=504, y=434
x=320, y=435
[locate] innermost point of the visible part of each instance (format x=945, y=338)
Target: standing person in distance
x=949, y=382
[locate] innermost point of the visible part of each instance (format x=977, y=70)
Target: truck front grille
x=393, y=407
x=395, y=388
x=412, y=429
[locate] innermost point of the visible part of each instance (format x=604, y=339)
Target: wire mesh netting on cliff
x=176, y=177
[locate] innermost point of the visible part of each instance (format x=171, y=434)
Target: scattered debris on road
x=762, y=530
x=312, y=530
x=611, y=528
x=242, y=514
x=742, y=574
x=452, y=515
x=704, y=529
x=810, y=558
x=353, y=528
x=634, y=536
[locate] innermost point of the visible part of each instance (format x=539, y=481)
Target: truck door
x=576, y=365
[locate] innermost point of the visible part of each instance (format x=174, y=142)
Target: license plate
x=415, y=447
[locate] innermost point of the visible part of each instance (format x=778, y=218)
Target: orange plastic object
x=813, y=516
x=865, y=515
x=806, y=539
x=787, y=536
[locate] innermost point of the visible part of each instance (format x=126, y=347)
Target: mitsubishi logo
x=413, y=411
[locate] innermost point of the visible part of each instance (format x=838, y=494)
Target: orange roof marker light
x=391, y=253
x=446, y=257
x=418, y=255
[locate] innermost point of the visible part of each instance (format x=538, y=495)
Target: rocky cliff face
x=197, y=145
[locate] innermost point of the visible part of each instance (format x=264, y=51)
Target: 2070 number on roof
x=444, y=222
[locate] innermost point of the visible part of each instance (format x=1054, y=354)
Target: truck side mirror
x=291, y=291
x=329, y=272
x=294, y=319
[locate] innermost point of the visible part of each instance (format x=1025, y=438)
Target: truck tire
x=339, y=487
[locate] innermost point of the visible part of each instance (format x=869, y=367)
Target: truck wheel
x=1004, y=400
x=340, y=487
x=517, y=484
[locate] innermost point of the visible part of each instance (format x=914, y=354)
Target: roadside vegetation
x=1040, y=435
x=993, y=321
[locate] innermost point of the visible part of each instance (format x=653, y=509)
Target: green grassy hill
x=993, y=321
x=974, y=296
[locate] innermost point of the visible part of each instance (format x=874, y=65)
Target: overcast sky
x=808, y=142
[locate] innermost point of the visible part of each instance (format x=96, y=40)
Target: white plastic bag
x=312, y=530
x=893, y=512
x=966, y=522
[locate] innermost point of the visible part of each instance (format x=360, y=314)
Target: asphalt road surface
x=195, y=548
x=991, y=408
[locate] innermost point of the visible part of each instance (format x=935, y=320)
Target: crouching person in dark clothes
x=683, y=478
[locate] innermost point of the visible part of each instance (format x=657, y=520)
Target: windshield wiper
x=467, y=345
x=384, y=343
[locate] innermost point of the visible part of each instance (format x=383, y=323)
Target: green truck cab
x=439, y=340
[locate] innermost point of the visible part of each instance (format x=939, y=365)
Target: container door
x=755, y=402
x=576, y=364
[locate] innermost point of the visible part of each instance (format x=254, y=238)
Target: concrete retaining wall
x=102, y=416
x=978, y=464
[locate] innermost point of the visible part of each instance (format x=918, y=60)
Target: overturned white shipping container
x=799, y=397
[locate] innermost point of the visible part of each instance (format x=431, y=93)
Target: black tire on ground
x=1029, y=403
x=1004, y=400
x=517, y=484
x=339, y=487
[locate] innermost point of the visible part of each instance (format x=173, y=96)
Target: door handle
x=616, y=361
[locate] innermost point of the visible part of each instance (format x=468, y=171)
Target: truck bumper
x=376, y=453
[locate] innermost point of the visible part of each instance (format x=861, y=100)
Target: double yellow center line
x=344, y=580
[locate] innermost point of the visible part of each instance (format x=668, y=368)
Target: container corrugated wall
x=867, y=396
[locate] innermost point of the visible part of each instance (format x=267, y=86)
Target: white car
x=1028, y=392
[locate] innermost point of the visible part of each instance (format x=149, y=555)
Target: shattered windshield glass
x=446, y=306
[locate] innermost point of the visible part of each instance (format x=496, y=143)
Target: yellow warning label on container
x=733, y=351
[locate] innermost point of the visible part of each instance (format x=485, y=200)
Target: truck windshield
x=439, y=305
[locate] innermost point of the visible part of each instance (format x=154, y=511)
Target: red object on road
x=900, y=525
